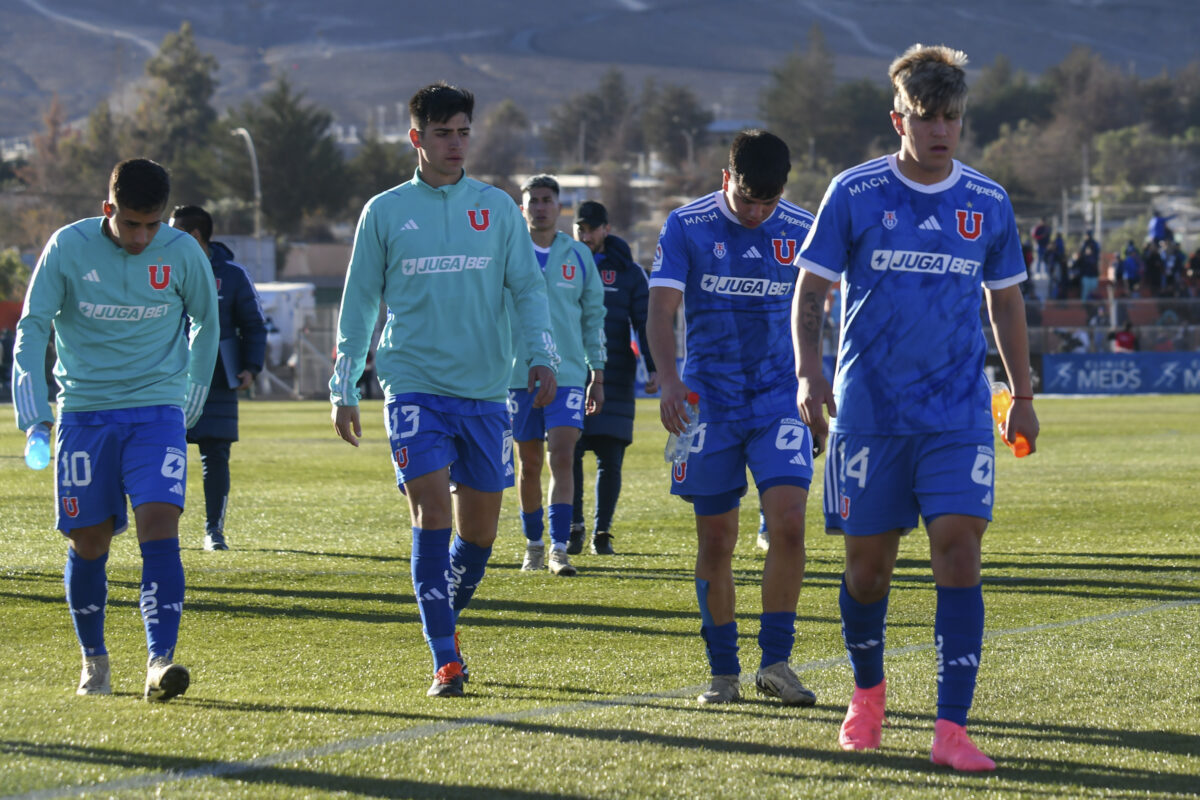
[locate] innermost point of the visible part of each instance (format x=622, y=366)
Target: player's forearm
x=808, y=323
x=660, y=330
x=1007, y=311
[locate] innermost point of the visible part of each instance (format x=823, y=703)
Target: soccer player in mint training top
x=576, y=299
x=919, y=241
x=441, y=250
x=728, y=257
x=133, y=374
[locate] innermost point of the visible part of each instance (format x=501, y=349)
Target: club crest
x=401, y=456
x=889, y=219
x=479, y=218
x=568, y=271
x=785, y=250
x=157, y=280
x=71, y=506
x=719, y=249
x=679, y=472
x=970, y=224
x=609, y=276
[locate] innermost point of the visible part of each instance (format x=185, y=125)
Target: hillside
x=355, y=58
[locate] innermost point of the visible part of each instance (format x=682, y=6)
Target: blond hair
x=928, y=79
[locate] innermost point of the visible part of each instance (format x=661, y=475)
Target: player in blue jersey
x=133, y=374
x=728, y=257
x=919, y=241
x=577, y=319
x=441, y=251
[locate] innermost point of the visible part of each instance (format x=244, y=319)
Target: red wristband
x=1022, y=397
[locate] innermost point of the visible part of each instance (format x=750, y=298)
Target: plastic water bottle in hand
x=37, y=447
x=1001, y=401
x=679, y=445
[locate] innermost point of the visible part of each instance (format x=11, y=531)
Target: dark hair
x=438, y=102
x=139, y=184
x=193, y=218
x=540, y=182
x=759, y=161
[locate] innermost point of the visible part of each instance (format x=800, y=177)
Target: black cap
x=592, y=214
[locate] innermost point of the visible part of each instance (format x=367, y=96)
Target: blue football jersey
x=737, y=285
x=914, y=260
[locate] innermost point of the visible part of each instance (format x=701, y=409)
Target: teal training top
x=121, y=325
x=576, y=298
x=441, y=259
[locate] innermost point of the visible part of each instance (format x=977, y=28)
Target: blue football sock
x=958, y=633
x=776, y=633
x=162, y=595
x=532, y=524
x=430, y=565
x=864, y=632
x=87, y=596
x=720, y=641
x=560, y=524
x=467, y=564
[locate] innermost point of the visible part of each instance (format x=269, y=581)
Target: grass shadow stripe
x=225, y=769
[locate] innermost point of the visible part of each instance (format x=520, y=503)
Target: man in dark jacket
x=609, y=432
x=239, y=360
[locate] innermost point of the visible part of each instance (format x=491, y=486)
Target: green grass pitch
x=309, y=670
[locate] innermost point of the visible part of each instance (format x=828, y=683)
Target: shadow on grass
x=1056, y=774
x=185, y=768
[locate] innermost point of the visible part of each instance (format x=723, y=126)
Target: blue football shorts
x=102, y=456
x=529, y=423
x=875, y=484
x=472, y=437
x=777, y=448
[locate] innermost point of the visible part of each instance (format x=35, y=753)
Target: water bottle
x=679, y=445
x=37, y=447
x=1001, y=402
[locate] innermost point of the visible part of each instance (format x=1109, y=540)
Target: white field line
x=229, y=768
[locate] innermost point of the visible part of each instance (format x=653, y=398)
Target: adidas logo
x=411, y=225
x=752, y=253
x=930, y=224
x=433, y=594
x=969, y=660
x=177, y=489
x=93, y=277
x=176, y=607
x=83, y=612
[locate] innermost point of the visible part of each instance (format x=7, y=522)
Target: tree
x=1004, y=97
x=1128, y=158
x=795, y=103
x=14, y=275
x=593, y=126
x=91, y=156
x=174, y=121
x=499, y=151
x=378, y=166
x=1092, y=95
x=857, y=125
x=674, y=124
x=46, y=175
x=301, y=169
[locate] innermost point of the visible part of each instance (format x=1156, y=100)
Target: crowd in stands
x=1151, y=281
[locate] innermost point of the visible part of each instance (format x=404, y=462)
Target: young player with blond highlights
x=918, y=240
